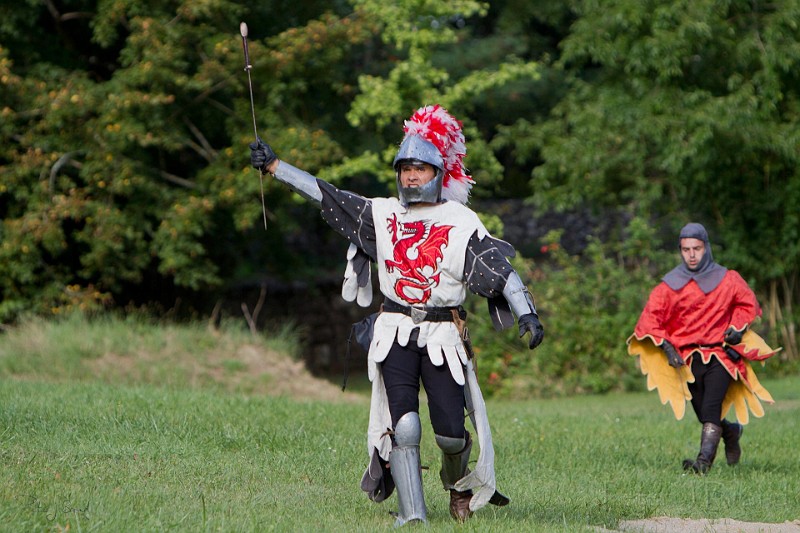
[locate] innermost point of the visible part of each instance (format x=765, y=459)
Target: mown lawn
x=116, y=426
x=99, y=457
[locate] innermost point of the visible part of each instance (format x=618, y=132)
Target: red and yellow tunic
x=695, y=324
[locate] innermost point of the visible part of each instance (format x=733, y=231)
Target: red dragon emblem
x=416, y=256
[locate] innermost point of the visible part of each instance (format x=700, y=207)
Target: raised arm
x=264, y=159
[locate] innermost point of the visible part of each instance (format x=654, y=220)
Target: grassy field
x=124, y=450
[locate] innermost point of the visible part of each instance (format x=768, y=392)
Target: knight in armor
x=694, y=342
x=429, y=248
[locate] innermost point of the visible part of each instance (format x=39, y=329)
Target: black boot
x=731, y=433
x=709, y=441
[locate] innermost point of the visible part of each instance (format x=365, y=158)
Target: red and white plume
x=434, y=124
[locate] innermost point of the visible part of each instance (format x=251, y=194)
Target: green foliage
x=682, y=111
x=592, y=302
x=90, y=186
x=125, y=124
x=588, y=305
x=124, y=128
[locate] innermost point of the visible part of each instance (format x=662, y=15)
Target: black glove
x=261, y=155
x=732, y=336
x=732, y=354
x=530, y=323
x=675, y=360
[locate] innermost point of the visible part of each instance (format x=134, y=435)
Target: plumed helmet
x=416, y=150
x=434, y=136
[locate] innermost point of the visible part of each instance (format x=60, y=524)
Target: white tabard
x=420, y=260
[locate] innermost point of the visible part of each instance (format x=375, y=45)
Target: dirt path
x=665, y=524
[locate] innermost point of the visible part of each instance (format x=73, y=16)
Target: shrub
x=589, y=304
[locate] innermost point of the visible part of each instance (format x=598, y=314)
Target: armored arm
x=299, y=181
x=521, y=303
x=488, y=273
x=516, y=294
x=264, y=159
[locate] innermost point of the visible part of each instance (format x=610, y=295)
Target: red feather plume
x=434, y=124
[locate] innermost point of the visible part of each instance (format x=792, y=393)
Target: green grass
x=112, y=455
x=131, y=351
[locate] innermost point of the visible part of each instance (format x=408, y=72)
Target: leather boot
x=709, y=442
x=459, y=505
x=731, y=433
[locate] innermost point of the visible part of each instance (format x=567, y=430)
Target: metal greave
x=406, y=469
x=455, y=458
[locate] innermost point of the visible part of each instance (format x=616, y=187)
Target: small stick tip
x=243, y=29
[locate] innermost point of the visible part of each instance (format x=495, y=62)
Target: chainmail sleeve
x=486, y=272
x=350, y=215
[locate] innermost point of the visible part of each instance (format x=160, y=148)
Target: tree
x=684, y=110
x=123, y=166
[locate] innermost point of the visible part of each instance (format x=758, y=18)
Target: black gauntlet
x=261, y=155
x=530, y=324
x=674, y=358
x=732, y=336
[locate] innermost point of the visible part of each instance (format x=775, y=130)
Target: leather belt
x=703, y=346
x=421, y=313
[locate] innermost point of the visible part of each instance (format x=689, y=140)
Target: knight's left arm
x=744, y=305
x=489, y=274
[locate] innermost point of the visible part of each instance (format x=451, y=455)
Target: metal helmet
x=434, y=136
x=415, y=149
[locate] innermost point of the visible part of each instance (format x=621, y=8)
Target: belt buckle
x=418, y=315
